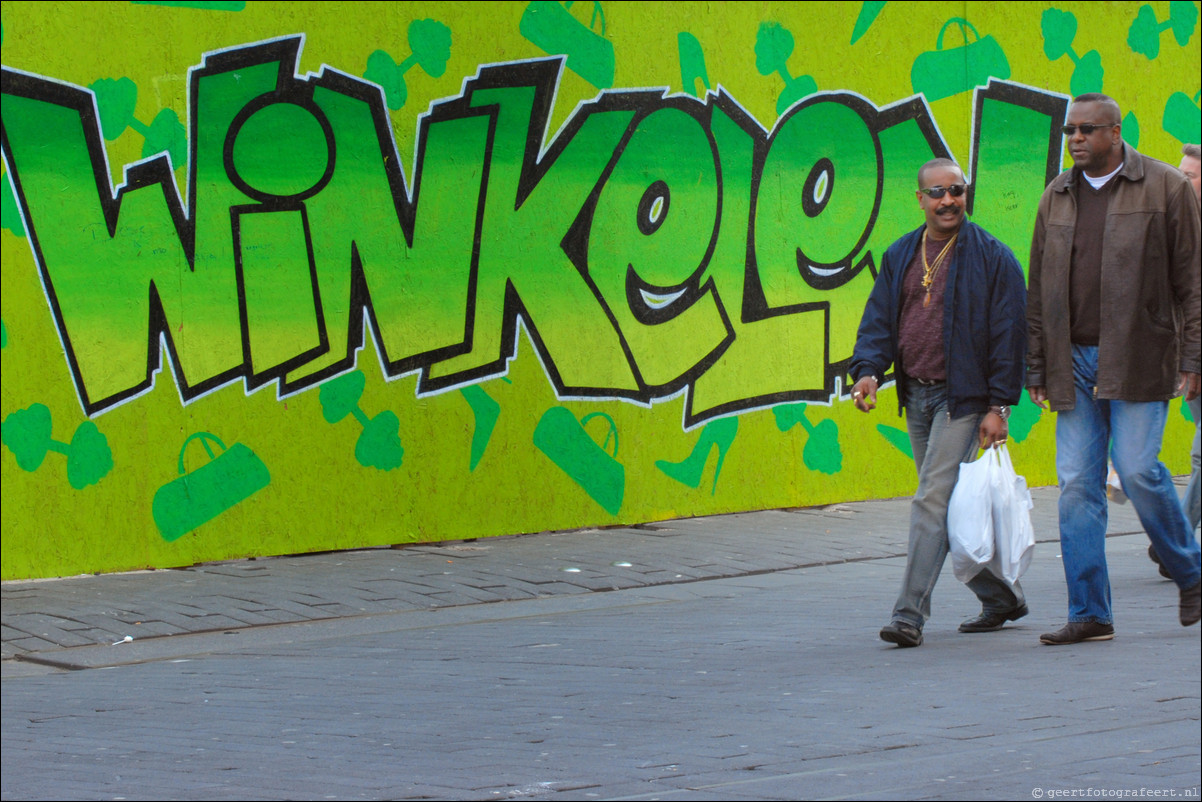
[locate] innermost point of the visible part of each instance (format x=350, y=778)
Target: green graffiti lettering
x=223, y=90
x=650, y=239
x=279, y=296
x=818, y=196
x=109, y=269
x=1016, y=153
x=416, y=266
x=653, y=244
x=773, y=355
x=528, y=211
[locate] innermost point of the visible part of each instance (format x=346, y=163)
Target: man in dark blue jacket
x=948, y=313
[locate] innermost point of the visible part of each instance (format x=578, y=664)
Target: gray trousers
x=940, y=444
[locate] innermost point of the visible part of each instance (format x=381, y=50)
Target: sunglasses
x=956, y=190
x=1086, y=128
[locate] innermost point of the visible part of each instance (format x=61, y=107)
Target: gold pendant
x=927, y=301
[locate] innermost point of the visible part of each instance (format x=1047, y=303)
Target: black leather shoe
x=992, y=622
x=1078, y=631
x=1191, y=605
x=901, y=633
x=1154, y=557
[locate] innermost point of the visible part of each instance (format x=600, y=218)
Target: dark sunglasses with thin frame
x=956, y=190
x=1086, y=128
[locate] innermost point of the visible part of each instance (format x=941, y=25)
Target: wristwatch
x=1001, y=412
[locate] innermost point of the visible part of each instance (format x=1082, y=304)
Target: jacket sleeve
x=873, y=352
x=1007, y=329
x=1036, y=364
x=1184, y=271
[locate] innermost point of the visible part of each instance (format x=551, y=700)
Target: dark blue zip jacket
x=984, y=322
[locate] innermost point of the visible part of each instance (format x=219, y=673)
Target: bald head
x=946, y=164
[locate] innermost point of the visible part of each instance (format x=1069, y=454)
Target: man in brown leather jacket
x=1114, y=319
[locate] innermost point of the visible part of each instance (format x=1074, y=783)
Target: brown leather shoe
x=1191, y=605
x=1078, y=631
x=992, y=622
x=1154, y=557
x=903, y=634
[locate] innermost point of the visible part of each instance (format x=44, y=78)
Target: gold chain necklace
x=929, y=270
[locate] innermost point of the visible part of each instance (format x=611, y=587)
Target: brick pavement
x=767, y=685
x=732, y=657
x=43, y=618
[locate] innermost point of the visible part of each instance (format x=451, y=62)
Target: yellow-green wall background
x=295, y=481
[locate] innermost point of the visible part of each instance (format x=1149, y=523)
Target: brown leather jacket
x=1151, y=315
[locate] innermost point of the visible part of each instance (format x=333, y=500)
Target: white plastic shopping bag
x=1114, y=487
x=1014, y=539
x=970, y=520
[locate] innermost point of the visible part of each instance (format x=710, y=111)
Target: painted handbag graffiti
x=942, y=73
x=197, y=497
x=564, y=440
x=552, y=27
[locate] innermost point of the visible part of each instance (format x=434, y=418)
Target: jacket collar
x=1132, y=169
x=968, y=230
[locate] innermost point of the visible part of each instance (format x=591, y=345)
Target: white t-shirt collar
x=1098, y=183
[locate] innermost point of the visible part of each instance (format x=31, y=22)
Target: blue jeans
x=940, y=444
x=1134, y=432
x=1193, y=492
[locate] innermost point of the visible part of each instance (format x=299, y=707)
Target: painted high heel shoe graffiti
x=716, y=434
x=868, y=14
x=897, y=438
x=486, y=412
x=692, y=64
x=29, y=435
x=564, y=440
x=379, y=445
x=773, y=47
x=822, y=451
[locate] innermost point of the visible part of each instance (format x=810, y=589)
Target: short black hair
x=1104, y=100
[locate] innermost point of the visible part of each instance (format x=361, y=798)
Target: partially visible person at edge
x=1114, y=325
x=947, y=313
x=1191, y=166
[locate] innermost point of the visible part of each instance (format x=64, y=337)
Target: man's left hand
x=993, y=431
x=1190, y=385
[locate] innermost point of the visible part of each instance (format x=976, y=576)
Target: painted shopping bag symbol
x=942, y=73
x=198, y=497
x=569, y=446
x=552, y=27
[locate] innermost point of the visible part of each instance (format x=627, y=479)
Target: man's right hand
x=1039, y=395
x=864, y=394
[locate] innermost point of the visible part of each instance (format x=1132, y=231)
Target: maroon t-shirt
x=920, y=325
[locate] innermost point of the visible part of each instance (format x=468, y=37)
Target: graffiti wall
x=290, y=277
